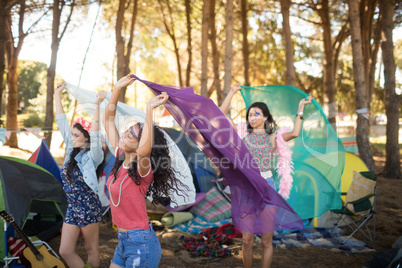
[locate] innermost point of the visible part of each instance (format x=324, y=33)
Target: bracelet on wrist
x=300, y=114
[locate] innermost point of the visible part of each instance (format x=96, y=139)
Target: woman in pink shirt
x=142, y=168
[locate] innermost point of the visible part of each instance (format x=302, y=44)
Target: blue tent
x=43, y=158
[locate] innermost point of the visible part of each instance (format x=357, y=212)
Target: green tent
x=318, y=153
x=28, y=189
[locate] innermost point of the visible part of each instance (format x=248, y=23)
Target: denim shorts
x=269, y=179
x=137, y=248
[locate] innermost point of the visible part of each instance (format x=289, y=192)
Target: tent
x=27, y=189
x=42, y=157
x=201, y=168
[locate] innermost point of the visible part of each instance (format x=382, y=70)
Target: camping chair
x=359, y=205
x=8, y=260
x=223, y=187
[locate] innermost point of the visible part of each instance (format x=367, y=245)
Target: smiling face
x=256, y=118
x=78, y=139
x=129, y=139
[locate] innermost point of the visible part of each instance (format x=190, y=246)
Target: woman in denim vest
x=82, y=165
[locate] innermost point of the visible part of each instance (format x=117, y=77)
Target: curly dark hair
x=72, y=163
x=164, y=178
x=269, y=124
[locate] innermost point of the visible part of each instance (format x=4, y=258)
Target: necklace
x=121, y=184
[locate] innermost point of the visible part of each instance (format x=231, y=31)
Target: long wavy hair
x=164, y=178
x=269, y=124
x=72, y=163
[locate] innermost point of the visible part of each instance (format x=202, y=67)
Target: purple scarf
x=256, y=207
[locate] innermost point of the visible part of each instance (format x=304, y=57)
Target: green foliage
x=34, y=120
x=31, y=75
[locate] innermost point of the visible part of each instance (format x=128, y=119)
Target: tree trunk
x=245, y=50
x=215, y=53
x=204, y=49
x=12, y=101
x=392, y=162
x=171, y=32
x=329, y=77
x=189, y=41
x=228, y=47
x=370, y=41
x=120, y=44
x=12, y=76
x=127, y=56
x=360, y=85
x=51, y=71
x=287, y=37
x=4, y=18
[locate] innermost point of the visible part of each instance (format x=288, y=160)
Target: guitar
x=33, y=257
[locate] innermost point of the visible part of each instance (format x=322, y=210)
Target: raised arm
x=96, y=120
x=96, y=144
x=110, y=111
x=298, y=123
x=145, y=146
x=226, y=102
x=57, y=98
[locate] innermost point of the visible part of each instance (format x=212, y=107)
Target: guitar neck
x=27, y=241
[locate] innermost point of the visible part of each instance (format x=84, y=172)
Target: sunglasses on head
x=133, y=132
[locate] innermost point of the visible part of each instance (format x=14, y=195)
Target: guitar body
x=48, y=261
x=31, y=256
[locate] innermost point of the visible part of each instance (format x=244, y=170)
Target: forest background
x=346, y=54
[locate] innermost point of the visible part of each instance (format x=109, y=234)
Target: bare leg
x=248, y=240
x=267, y=250
x=69, y=237
x=91, y=238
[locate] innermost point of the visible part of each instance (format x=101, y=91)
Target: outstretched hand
x=158, y=100
x=100, y=97
x=305, y=101
x=125, y=81
x=236, y=87
x=60, y=88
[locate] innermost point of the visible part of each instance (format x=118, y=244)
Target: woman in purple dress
x=261, y=140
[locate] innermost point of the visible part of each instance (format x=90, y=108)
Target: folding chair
x=360, y=206
x=223, y=187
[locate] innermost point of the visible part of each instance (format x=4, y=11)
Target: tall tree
x=215, y=54
x=360, y=84
x=329, y=68
x=204, y=48
x=12, y=53
x=289, y=47
x=123, y=50
x=187, y=4
x=170, y=29
x=5, y=19
x=371, y=39
x=58, y=6
x=392, y=163
x=228, y=47
x=245, y=48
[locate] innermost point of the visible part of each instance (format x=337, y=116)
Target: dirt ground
x=388, y=229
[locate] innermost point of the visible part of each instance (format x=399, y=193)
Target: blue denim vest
x=87, y=160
